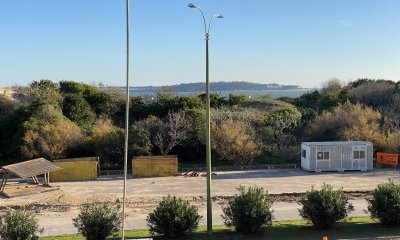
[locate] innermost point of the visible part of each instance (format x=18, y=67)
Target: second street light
x=208, y=131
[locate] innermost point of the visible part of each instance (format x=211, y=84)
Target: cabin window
x=358, y=154
x=303, y=153
x=322, y=155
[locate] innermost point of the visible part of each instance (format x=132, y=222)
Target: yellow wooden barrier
x=75, y=169
x=155, y=166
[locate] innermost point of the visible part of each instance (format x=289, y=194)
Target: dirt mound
x=61, y=198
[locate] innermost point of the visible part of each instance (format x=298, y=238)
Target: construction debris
x=195, y=174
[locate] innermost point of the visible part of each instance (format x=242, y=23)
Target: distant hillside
x=220, y=86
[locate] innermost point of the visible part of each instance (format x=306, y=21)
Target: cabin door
x=359, y=160
x=346, y=159
x=323, y=159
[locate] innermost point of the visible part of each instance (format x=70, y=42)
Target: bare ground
x=286, y=185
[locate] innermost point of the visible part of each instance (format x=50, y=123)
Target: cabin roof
x=31, y=168
x=335, y=143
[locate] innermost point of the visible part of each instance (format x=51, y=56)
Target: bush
x=289, y=154
x=173, y=217
x=96, y=221
x=234, y=142
x=106, y=141
x=248, y=211
x=48, y=134
x=7, y=107
x=77, y=109
x=385, y=204
x=18, y=225
x=324, y=207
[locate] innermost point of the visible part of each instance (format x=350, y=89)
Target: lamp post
x=126, y=120
x=208, y=131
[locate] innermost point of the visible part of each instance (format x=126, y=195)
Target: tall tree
x=169, y=132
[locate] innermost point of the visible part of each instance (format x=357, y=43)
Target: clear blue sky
x=281, y=41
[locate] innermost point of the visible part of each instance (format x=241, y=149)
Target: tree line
x=72, y=119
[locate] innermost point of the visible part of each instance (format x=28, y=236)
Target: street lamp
x=126, y=119
x=208, y=141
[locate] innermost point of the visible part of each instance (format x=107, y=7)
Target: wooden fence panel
x=155, y=166
x=75, y=169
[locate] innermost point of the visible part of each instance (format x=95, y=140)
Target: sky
x=300, y=42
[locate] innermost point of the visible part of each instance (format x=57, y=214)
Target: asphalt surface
x=61, y=223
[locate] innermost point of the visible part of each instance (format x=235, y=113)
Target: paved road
x=61, y=223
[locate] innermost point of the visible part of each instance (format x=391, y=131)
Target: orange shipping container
x=387, y=158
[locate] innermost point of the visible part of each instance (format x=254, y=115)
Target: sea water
x=292, y=93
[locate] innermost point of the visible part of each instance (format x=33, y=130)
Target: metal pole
x=208, y=144
x=126, y=121
x=208, y=130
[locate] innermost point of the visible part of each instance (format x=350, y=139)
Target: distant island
x=219, y=87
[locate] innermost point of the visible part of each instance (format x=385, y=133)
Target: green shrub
x=96, y=221
x=324, y=207
x=385, y=204
x=248, y=211
x=173, y=217
x=18, y=225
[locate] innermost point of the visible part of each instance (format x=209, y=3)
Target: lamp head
x=192, y=5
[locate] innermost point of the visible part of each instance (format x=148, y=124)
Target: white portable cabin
x=337, y=156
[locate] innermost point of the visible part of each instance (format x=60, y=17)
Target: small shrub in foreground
x=18, y=225
x=324, y=207
x=97, y=221
x=248, y=211
x=385, y=204
x=173, y=217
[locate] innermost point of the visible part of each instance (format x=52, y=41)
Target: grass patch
x=128, y=234
x=356, y=227
x=64, y=237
